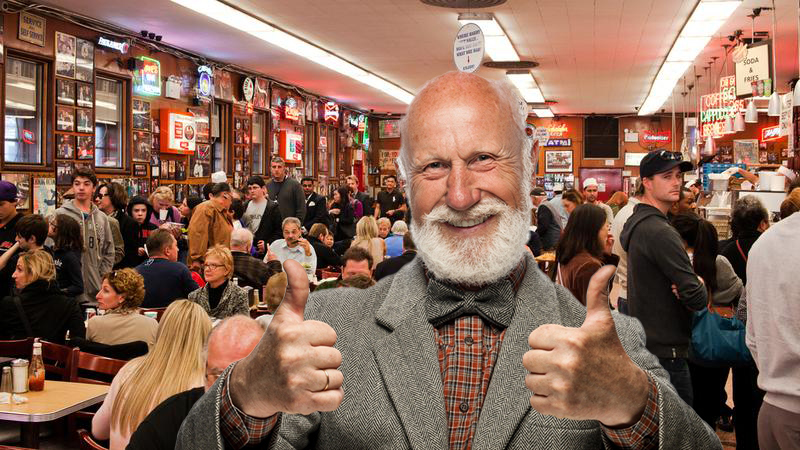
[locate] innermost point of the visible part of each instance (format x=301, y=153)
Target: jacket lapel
x=507, y=398
x=408, y=362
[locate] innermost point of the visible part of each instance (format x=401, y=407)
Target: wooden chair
x=58, y=360
x=159, y=312
x=87, y=442
x=20, y=348
x=94, y=369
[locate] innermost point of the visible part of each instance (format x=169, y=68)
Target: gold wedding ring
x=327, y=380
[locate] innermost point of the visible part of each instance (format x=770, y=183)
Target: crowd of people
x=474, y=296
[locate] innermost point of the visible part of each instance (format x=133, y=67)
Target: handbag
x=718, y=337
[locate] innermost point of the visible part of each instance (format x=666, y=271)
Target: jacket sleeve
x=241, y=303
x=75, y=276
x=198, y=235
x=107, y=257
x=321, y=211
x=729, y=286
x=544, y=217
x=276, y=231
x=119, y=243
x=672, y=259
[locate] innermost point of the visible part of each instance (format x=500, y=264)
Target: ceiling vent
x=511, y=65
x=464, y=4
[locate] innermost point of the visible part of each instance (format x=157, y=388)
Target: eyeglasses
x=670, y=156
x=212, y=266
x=100, y=196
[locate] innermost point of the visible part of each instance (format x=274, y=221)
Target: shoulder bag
x=718, y=337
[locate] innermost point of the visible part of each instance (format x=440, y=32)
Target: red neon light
x=772, y=133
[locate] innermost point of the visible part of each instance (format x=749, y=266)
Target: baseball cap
x=662, y=161
x=590, y=182
x=538, y=191
x=8, y=191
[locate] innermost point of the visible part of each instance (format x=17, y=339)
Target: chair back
x=159, y=312
x=58, y=360
x=94, y=369
x=87, y=442
x=18, y=348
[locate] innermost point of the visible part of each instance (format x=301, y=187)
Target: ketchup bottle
x=36, y=369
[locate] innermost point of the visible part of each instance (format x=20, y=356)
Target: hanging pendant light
x=728, y=125
x=774, y=99
x=710, y=148
x=738, y=122
x=796, y=94
x=751, y=114
x=774, y=105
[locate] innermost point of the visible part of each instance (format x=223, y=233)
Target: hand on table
x=584, y=373
x=286, y=372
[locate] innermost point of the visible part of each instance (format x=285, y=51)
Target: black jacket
x=345, y=222
x=657, y=259
x=393, y=265
x=130, y=236
x=159, y=430
x=316, y=212
x=69, y=276
x=269, y=229
x=548, y=226
x=326, y=257
x=142, y=230
x=732, y=253
x=50, y=314
x=290, y=197
x=367, y=203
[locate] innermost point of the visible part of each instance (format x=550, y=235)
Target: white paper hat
x=219, y=177
x=590, y=182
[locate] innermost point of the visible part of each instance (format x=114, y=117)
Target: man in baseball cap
x=657, y=261
x=8, y=221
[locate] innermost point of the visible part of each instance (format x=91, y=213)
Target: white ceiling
x=596, y=56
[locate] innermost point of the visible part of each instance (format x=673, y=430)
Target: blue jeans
x=679, y=376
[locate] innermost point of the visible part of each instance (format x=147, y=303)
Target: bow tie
x=494, y=303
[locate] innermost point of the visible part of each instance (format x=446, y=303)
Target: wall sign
x=119, y=46
x=559, y=142
x=754, y=67
x=468, y=48
x=716, y=107
x=362, y=122
x=331, y=112
x=648, y=137
x=291, y=146
x=248, y=89
x=388, y=129
x=179, y=132
x=205, y=82
x=147, y=76
x=31, y=28
x=557, y=130
x=291, y=111
x=772, y=133
x=540, y=134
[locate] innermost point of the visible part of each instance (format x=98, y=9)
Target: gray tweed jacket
x=233, y=301
x=393, y=387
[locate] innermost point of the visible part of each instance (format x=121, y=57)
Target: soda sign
x=655, y=137
x=716, y=107
x=771, y=133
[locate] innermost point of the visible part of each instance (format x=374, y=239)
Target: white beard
x=473, y=261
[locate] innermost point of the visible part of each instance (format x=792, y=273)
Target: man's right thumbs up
x=294, y=367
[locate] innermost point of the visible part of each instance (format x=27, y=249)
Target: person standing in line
x=210, y=225
x=590, y=190
x=140, y=211
x=68, y=246
x=558, y=194
x=262, y=216
x=8, y=234
x=657, y=264
x=97, y=258
x=112, y=200
x=548, y=219
x=366, y=200
x=621, y=277
x=391, y=202
x=286, y=191
x=316, y=206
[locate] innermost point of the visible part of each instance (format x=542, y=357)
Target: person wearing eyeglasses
x=220, y=297
x=210, y=224
x=657, y=264
x=229, y=341
x=112, y=199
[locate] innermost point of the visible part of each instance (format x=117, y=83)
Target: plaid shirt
x=252, y=271
x=468, y=349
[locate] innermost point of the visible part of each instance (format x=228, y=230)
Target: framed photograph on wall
x=84, y=122
x=65, y=118
x=141, y=115
x=65, y=55
x=23, y=183
x=65, y=91
x=140, y=170
x=44, y=196
x=65, y=146
x=64, y=171
x=142, y=145
x=85, y=147
x=85, y=95
x=558, y=161
x=84, y=59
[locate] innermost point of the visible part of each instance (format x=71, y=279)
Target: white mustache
x=482, y=210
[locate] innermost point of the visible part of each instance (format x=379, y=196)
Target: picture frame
x=65, y=146
x=44, y=196
x=140, y=169
x=202, y=123
x=83, y=120
x=64, y=171
x=84, y=60
x=65, y=92
x=85, y=147
x=558, y=161
x=85, y=95
x=141, y=115
x=23, y=183
x=142, y=146
x=65, y=55
x=65, y=118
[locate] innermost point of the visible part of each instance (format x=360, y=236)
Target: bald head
x=229, y=341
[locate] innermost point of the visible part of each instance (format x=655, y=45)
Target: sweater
x=773, y=308
x=290, y=197
x=234, y=301
x=657, y=259
x=121, y=328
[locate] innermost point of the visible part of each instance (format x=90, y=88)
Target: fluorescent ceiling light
x=498, y=46
x=543, y=112
x=706, y=19
x=527, y=86
x=266, y=32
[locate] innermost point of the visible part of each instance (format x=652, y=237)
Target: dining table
x=58, y=399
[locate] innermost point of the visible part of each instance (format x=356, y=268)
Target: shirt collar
x=515, y=277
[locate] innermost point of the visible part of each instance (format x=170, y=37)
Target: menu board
x=179, y=132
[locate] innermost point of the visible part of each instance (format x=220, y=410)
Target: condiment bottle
x=36, y=369
x=5, y=384
x=19, y=376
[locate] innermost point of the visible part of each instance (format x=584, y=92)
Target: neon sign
x=655, y=137
x=147, y=76
x=362, y=122
x=290, y=109
x=557, y=130
x=716, y=107
x=121, y=47
x=559, y=142
x=205, y=82
x=772, y=133
x=331, y=112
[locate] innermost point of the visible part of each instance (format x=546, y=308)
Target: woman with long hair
x=367, y=238
x=571, y=199
x=583, y=249
x=326, y=257
x=68, y=246
x=344, y=210
x=175, y=364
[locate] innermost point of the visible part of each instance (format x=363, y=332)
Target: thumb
x=597, y=295
x=294, y=301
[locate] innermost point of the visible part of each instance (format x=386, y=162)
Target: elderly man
x=590, y=189
x=249, y=270
x=293, y=246
x=210, y=224
x=469, y=345
x=229, y=341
